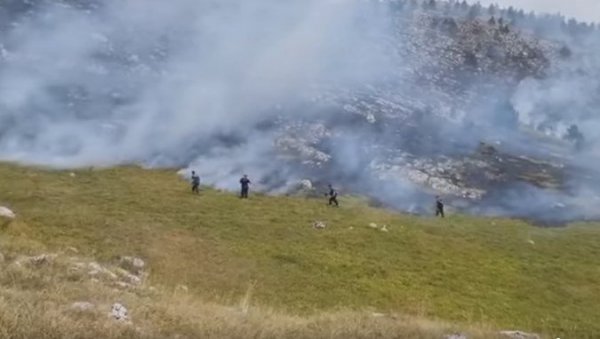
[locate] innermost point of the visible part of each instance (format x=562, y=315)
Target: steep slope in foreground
x=215, y=248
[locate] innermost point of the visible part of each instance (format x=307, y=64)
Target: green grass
x=463, y=269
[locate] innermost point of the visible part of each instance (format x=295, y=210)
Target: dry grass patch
x=58, y=298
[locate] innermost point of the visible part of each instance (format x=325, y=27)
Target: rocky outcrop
x=128, y=275
x=444, y=75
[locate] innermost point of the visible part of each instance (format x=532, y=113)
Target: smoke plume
x=224, y=86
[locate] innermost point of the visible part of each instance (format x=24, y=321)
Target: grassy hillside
x=469, y=271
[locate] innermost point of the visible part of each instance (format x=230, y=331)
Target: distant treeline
x=545, y=25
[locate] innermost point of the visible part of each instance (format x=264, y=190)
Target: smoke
x=566, y=98
x=132, y=80
x=581, y=9
x=230, y=87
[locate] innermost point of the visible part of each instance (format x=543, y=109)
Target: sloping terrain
x=67, y=296
x=389, y=99
x=483, y=275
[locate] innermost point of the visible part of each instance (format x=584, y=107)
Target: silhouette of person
x=333, y=196
x=439, y=207
x=195, y=182
x=245, y=183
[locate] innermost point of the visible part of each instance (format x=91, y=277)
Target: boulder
x=519, y=335
x=94, y=266
x=42, y=259
x=132, y=279
x=319, y=224
x=132, y=264
x=119, y=312
x=455, y=336
x=7, y=213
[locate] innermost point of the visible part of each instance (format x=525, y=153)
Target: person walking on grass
x=332, y=196
x=439, y=207
x=245, y=183
x=195, y=183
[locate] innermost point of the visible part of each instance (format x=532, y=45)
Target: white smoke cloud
x=186, y=82
x=225, y=61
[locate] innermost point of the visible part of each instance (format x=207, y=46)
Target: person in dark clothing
x=195, y=182
x=332, y=196
x=439, y=207
x=245, y=182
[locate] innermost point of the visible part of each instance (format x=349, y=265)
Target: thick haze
x=190, y=83
x=150, y=77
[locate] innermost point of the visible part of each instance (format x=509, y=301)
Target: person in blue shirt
x=245, y=182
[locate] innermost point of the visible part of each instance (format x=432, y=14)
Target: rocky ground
x=439, y=120
x=430, y=133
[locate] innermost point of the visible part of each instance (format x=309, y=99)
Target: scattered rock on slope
x=43, y=259
x=132, y=264
x=95, y=269
x=319, y=224
x=38, y=260
x=7, y=213
x=455, y=336
x=128, y=278
x=519, y=335
x=119, y=312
